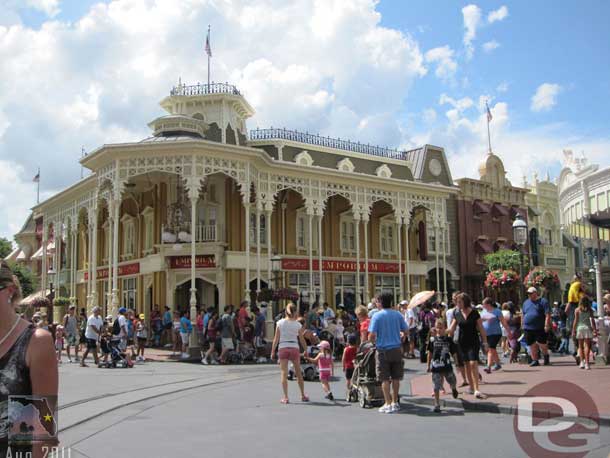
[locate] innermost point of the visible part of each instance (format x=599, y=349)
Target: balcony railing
x=204, y=89
x=208, y=233
x=318, y=140
x=203, y=233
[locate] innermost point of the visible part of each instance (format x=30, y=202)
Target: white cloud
x=472, y=19
x=429, y=115
x=446, y=66
x=498, y=15
x=99, y=79
x=490, y=46
x=502, y=87
x=545, y=97
x=459, y=104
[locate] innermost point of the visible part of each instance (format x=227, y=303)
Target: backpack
x=219, y=324
x=116, y=327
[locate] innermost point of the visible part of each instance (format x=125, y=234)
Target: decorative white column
x=110, y=257
x=58, y=229
x=87, y=259
x=320, y=216
x=357, y=221
x=115, y=253
x=247, y=229
x=399, y=236
x=310, y=249
x=268, y=213
x=93, y=272
x=445, y=236
x=407, y=259
x=284, y=206
x=45, y=242
x=193, y=195
x=436, y=249
x=367, y=294
x=258, y=248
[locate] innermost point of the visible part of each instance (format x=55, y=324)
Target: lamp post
x=520, y=238
x=51, y=298
x=276, y=268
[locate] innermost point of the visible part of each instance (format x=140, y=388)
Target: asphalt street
x=187, y=410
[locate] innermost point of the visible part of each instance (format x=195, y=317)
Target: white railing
x=208, y=233
x=203, y=233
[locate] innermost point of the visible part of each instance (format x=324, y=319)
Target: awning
x=500, y=210
x=480, y=207
x=601, y=219
x=533, y=211
x=21, y=256
x=483, y=246
x=567, y=240
x=50, y=250
x=13, y=255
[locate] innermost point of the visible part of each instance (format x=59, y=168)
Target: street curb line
x=487, y=407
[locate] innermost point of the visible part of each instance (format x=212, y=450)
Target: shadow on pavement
x=421, y=411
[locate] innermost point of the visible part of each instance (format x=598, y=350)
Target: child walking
x=349, y=354
x=324, y=359
x=59, y=341
x=584, y=329
x=440, y=349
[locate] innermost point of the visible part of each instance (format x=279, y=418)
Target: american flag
x=208, y=48
x=36, y=178
x=489, y=116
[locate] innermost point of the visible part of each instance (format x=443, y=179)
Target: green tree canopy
x=26, y=278
x=6, y=246
x=504, y=260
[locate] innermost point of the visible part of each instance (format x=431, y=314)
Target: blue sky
x=395, y=72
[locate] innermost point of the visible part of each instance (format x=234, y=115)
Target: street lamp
x=520, y=238
x=51, y=297
x=276, y=268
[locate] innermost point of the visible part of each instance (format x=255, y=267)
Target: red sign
x=124, y=270
x=330, y=265
x=184, y=262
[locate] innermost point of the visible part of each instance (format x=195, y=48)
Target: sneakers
x=582, y=364
x=577, y=358
x=214, y=362
x=385, y=409
x=437, y=409
x=184, y=355
x=479, y=395
x=69, y=360
x=487, y=370
x=534, y=363
x=496, y=367
x=587, y=367
x=547, y=361
x=330, y=397
x=395, y=407
x=204, y=361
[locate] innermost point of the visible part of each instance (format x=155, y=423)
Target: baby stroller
x=366, y=389
x=309, y=370
x=117, y=357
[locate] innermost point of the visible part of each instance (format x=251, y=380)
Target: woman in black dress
x=28, y=364
x=469, y=340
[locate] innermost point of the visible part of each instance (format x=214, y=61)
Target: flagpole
x=38, y=188
x=488, y=132
x=209, y=58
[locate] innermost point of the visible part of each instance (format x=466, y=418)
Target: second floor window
x=387, y=237
x=348, y=235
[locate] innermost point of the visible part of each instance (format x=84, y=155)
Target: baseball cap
x=370, y=306
x=122, y=310
x=404, y=303
x=531, y=289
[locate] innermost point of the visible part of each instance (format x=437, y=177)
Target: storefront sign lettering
x=338, y=265
x=124, y=270
x=184, y=262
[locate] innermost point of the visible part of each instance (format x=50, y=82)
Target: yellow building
x=194, y=214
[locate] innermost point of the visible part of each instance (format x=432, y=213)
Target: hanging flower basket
x=501, y=279
x=541, y=277
x=268, y=295
x=61, y=301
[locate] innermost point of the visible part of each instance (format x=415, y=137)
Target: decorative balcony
x=318, y=140
x=208, y=233
x=204, y=233
x=204, y=89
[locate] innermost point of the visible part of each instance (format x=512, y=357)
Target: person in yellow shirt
x=575, y=293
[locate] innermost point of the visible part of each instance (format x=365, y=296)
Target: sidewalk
x=161, y=355
x=504, y=387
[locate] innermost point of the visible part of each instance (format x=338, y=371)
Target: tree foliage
x=26, y=278
x=504, y=260
x=6, y=246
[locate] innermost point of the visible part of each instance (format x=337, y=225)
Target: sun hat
x=141, y=316
x=370, y=306
x=324, y=345
x=109, y=318
x=531, y=290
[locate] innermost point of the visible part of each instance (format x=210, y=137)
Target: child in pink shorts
x=325, y=367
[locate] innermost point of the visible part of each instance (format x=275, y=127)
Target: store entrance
x=207, y=295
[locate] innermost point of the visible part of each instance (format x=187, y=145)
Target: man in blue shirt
x=167, y=327
x=387, y=330
x=536, y=324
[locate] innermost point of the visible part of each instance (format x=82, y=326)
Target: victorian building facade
x=486, y=209
x=195, y=213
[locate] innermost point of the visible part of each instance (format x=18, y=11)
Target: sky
x=78, y=74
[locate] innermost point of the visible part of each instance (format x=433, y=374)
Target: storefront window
x=129, y=293
x=388, y=284
x=300, y=282
x=345, y=291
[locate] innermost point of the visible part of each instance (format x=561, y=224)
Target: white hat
x=404, y=303
x=370, y=306
x=531, y=289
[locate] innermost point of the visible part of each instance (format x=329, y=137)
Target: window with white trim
x=128, y=293
x=345, y=290
x=262, y=229
x=442, y=240
x=301, y=283
x=302, y=232
x=107, y=248
x=348, y=234
x=388, y=284
x=387, y=237
x=129, y=237
x=148, y=215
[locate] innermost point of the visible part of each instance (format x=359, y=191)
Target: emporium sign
x=124, y=270
x=184, y=262
x=330, y=265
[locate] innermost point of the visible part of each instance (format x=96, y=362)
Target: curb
x=486, y=407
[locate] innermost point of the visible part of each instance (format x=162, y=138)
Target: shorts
x=469, y=353
x=533, y=336
x=91, y=344
x=493, y=340
x=141, y=340
x=83, y=339
x=389, y=364
x=130, y=342
x=185, y=337
x=167, y=326
x=290, y=354
x=59, y=346
x=325, y=376
x=583, y=332
x=227, y=343
x=349, y=372
x=439, y=377
x=412, y=336
x=71, y=340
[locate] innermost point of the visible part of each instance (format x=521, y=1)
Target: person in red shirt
x=349, y=354
x=364, y=321
x=242, y=314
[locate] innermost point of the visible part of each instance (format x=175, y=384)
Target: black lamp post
x=276, y=268
x=520, y=238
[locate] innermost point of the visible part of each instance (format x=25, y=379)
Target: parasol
x=420, y=298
